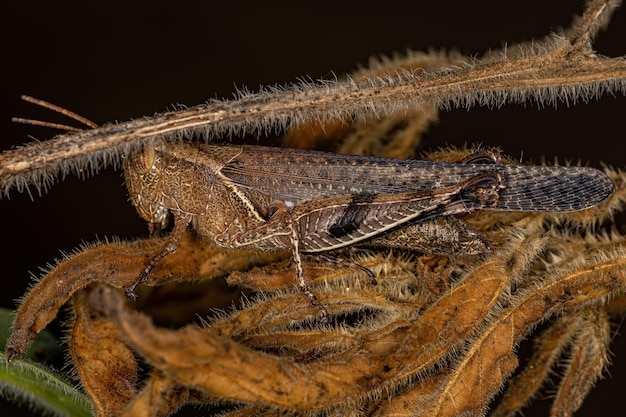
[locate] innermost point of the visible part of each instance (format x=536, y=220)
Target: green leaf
x=35, y=386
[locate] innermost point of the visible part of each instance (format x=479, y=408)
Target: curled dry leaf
x=547, y=350
x=586, y=362
x=160, y=396
x=118, y=264
x=108, y=373
x=376, y=360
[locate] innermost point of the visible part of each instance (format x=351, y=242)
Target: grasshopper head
x=143, y=174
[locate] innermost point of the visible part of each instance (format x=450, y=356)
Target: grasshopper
x=307, y=202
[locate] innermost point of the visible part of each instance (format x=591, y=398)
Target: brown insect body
x=227, y=192
x=213, y=189
x=262, y=198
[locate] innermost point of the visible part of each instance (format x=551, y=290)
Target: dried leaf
x=119, y=264
x=108, y=373
x=547, y=349
x=160, y=396
x=586, y=362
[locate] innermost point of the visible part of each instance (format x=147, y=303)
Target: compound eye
x=144, y=160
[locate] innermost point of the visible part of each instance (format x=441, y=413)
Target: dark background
x=109, y=61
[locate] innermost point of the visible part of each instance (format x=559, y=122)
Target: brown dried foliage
x=437, y=336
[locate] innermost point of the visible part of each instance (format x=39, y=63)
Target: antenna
x=57, y=109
